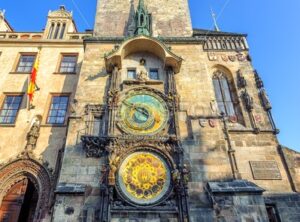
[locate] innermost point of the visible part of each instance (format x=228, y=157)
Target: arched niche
x=29, y=169
x=152, y=62
x=142, y=44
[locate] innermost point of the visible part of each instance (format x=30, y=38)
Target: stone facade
x=223, y=167
x=164, y=21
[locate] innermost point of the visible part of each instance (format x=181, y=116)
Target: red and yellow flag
x=32, y=82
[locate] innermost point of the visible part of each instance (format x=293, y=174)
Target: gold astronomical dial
x=143, y=113
x=144, y=178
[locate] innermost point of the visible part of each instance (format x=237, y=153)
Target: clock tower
x=163, y=122
x=167, y=18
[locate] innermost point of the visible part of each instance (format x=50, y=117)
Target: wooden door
x=13, y=201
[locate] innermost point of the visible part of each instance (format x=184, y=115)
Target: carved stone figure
x=248, y=101
x=113, y=97
x=142, y=76
x=265, y=99
x=33, y=134
x=113, y=164
x=185, y=174
x=241, y=80
x=176, y=176
x=258, y=80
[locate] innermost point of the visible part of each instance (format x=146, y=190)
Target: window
x=97, y=126
x=10, y=109
x=56, y=31
x=154, y=74
x=223, y=95
x=62, y=32
x=68, y=64
x=131, y=73
x=58, y=110
x=51, y=31
x=26, y=63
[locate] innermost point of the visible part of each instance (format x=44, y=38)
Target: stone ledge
x=237, y=186
x=70, y=188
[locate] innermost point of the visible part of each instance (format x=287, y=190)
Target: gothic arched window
x=223, y=94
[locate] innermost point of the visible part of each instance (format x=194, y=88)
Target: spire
x=141, y=5
x=142, y=20
x=2, y=12
x=215, y=20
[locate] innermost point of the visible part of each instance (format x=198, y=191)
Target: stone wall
x=114, y=18
x=286, y=205
x=239, y=200
x=293, y=164
x=201, y=131
x=51, y=138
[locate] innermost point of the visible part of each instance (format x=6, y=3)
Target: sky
x=273, y=35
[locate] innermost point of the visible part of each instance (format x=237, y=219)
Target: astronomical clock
x=144, y=168
x=143, y=113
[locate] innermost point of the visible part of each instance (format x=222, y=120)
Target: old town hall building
x=143, y=119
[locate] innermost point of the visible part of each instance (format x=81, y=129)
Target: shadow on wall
x=129, y=27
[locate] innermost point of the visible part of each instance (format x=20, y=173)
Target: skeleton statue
x=142, y=76
x=33, y=134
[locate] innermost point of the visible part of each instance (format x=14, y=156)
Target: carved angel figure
x=113, y=164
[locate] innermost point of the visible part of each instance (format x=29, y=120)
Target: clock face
x=143, y=113
x=144, y=178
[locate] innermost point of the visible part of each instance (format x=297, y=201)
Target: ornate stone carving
x=61, y=13
x=17, y=170
x=185, y=174
x=94, y=146
x=33, y=134
x=142, y=76
x=258, y=80
x=176, y=176
x=265, y=100
x=113, y=98
x=242, y=83
x=248, y=100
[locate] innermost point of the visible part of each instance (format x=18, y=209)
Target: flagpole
x=28, y=100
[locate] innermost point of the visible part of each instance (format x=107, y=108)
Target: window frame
x=62, y=55
x=3, y=99
x=17, y=64
x=218, y=76
x=154, y=70
x=131, y=69
x=52, y=95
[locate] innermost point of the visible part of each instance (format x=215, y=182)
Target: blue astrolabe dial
x=143, y=113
